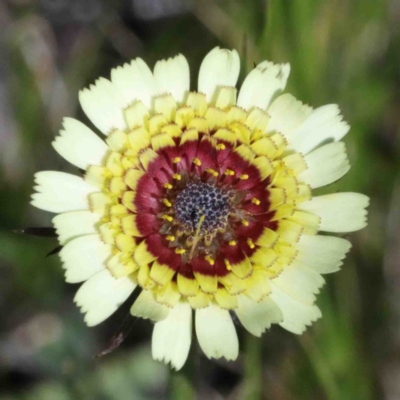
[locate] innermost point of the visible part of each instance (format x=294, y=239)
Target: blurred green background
x=341, y=51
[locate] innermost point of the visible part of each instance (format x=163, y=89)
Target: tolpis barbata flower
x=202, y=201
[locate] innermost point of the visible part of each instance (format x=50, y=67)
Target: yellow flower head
x=202, y=201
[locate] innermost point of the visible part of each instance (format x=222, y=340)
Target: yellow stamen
x=255, y=201
x=177, y=177
x=167, y=217
x=212, y=172
x=229, y=172
x=250, y=243
x=167, y=203
x=210, y=260
x=168, y=186
x=176, y=160
x=196, y=161
x=221, y=146
x=228, y=265
x=232, y=243
x=180, y=251
x=170, y=238
x=245, y=223
x=243, y=177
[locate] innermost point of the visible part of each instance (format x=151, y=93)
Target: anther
x=167, y=203
x=168, y=186
x=196, y=161
x=177, y=177
x=228, y=265
x=250, y=243
x=212, y=172
x=245, y=223
x=232, y=243
x=221, y=146
x=167, y=218
x=255, y=201
x=170, y=238
x=180, y=251
x=229, y=172
x=176, y=160
x=210, y=260
x=243, y=177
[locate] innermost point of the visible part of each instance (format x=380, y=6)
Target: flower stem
x=321, y=368
x=253, y=368
x=180, y=386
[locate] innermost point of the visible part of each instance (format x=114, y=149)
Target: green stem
x=321, y=368
x=253, y=368
x=180, y=386
x=182, y=383
x=269, y=27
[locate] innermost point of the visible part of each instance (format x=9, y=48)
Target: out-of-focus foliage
x=341, y=51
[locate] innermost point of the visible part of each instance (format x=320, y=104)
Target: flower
x=203, y=200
